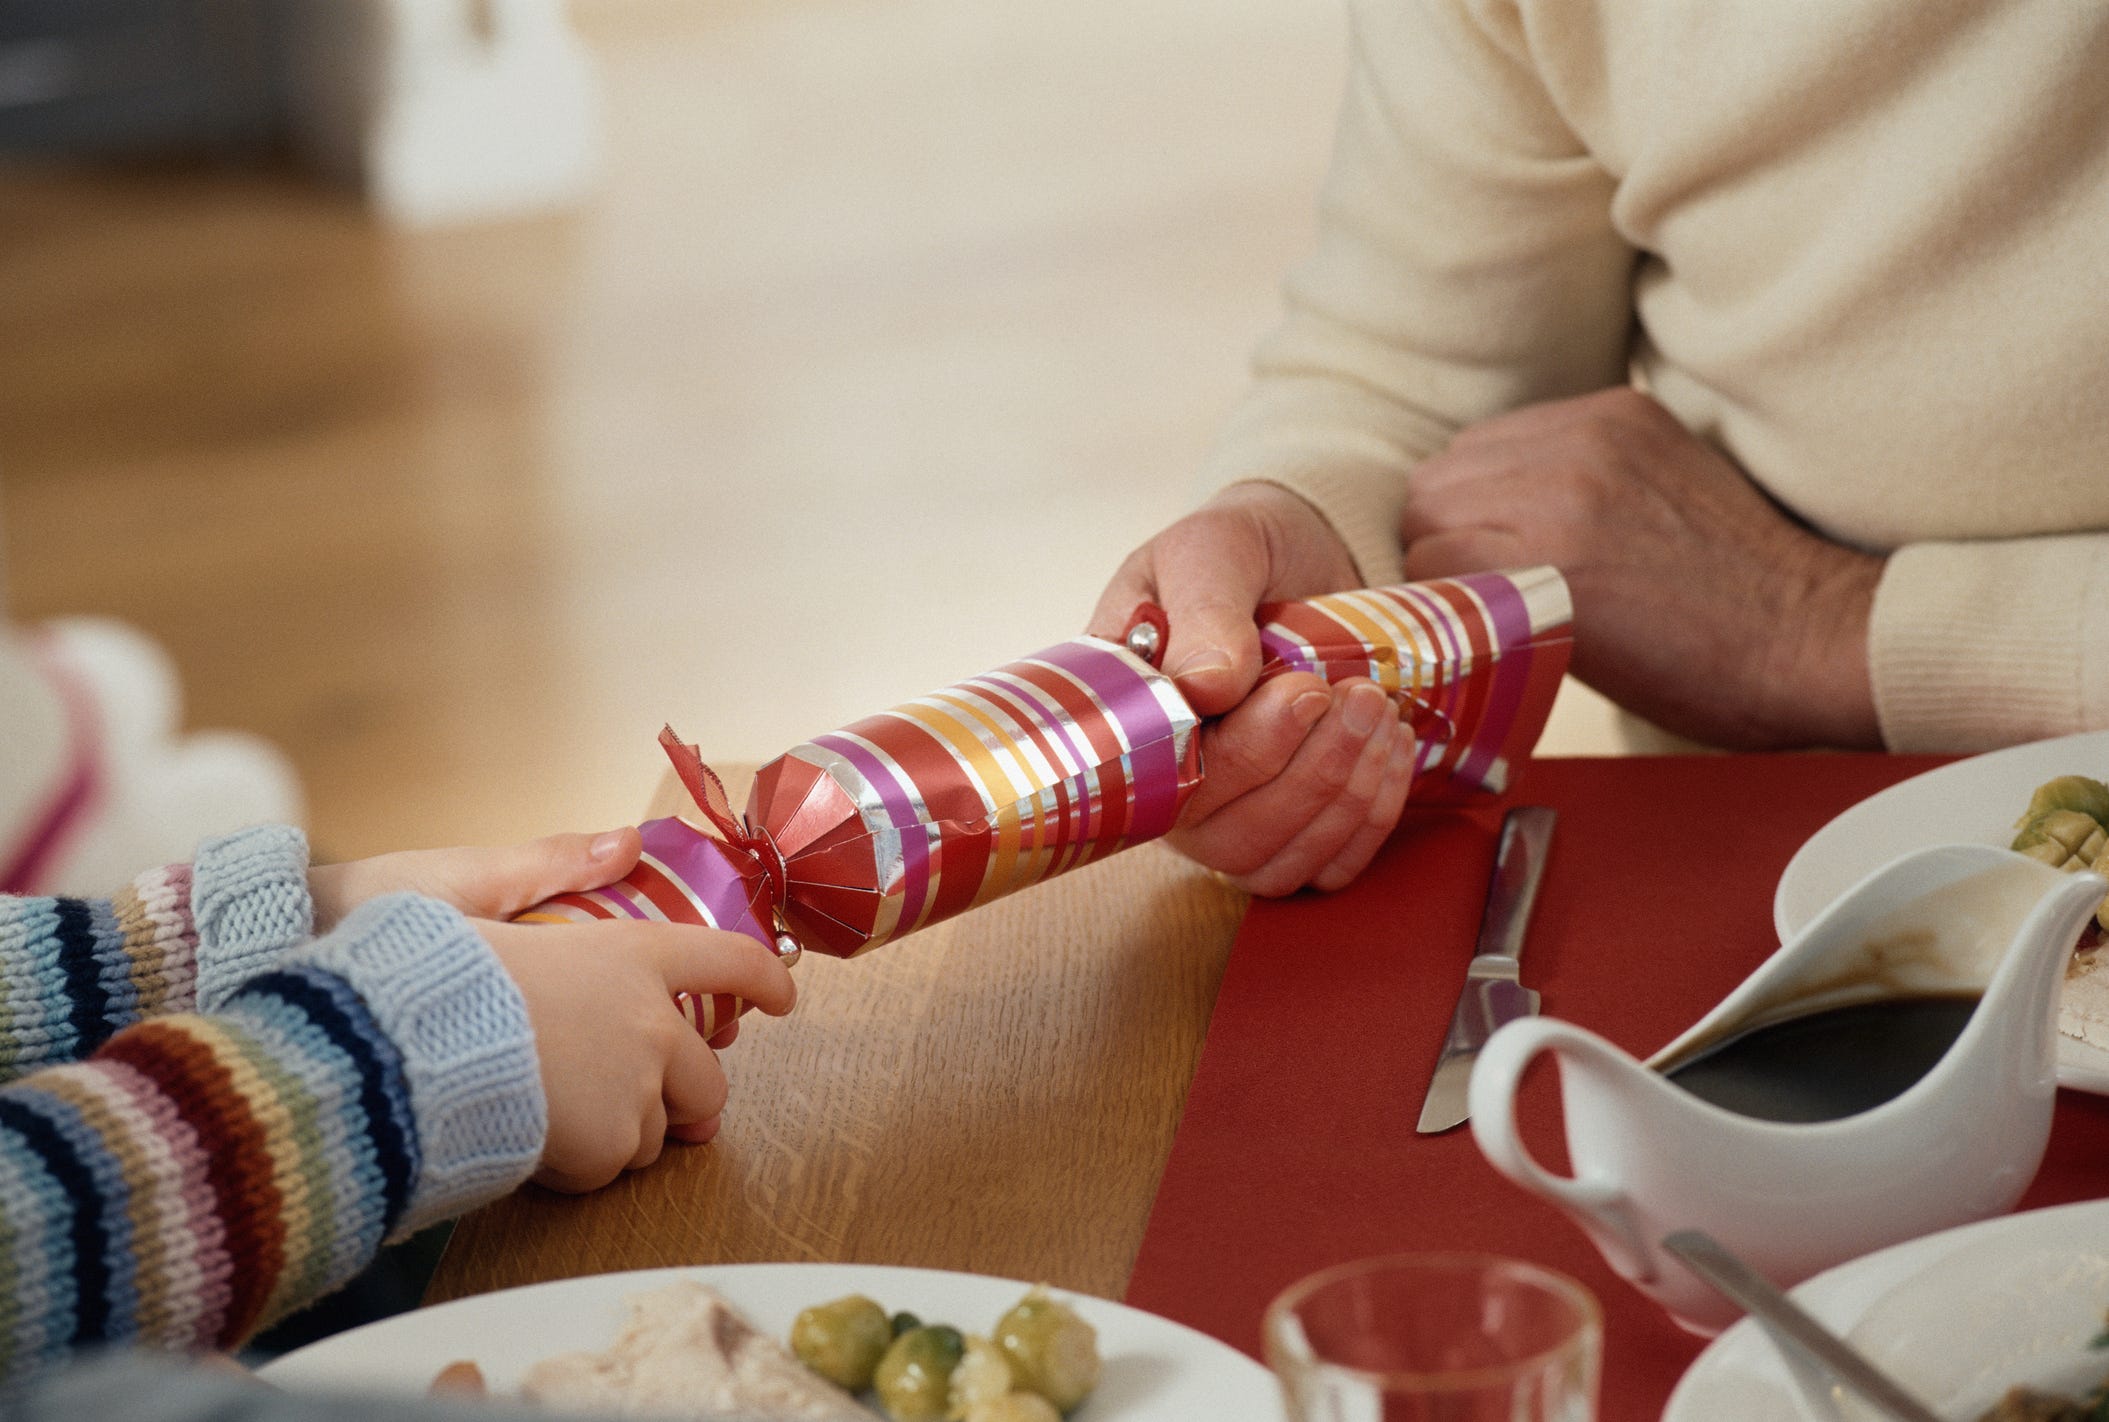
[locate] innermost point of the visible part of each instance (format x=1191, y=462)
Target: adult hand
x=482, y=883
x=1302, y=782
x=1699, y=605
x=622, y=1069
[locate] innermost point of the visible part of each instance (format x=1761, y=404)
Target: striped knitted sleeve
x=203, y=1174
x=74, y=971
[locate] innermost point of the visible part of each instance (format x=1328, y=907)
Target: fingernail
x=1402, y=752
x=1364, y=705
x=1307, y=708
x=604, y=846
x=1207, y=659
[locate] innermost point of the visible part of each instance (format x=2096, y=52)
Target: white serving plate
x=1156, y=1370
x=1973, y=801
x=1957, y=1317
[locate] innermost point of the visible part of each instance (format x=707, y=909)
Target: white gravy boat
x=1960, y=1144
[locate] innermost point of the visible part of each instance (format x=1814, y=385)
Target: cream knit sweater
x=1860, y=245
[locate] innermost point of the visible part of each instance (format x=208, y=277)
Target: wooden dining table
x=1121, y=1082
x=997, y=1093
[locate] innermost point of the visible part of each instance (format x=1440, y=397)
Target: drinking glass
x=1437, y=1338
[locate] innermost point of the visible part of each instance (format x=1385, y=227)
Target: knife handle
x=1519, y=863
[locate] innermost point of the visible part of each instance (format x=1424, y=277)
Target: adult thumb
x=1210, y=583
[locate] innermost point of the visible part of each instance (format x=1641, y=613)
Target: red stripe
x=949, y=788
x=708, y=1014
x=963, y=862
x=580, y=902
x=1443, y=690
x=665, y=895
x=1468, y=694
x=1086, y=716
x=1056, y=832
x=1068, y=828
x=1107, y=793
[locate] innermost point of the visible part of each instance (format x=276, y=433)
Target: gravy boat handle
x=1600, y=1208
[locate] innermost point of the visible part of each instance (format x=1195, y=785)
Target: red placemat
x=1297, y=1148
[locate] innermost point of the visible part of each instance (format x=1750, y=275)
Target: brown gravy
x=1827, y=1065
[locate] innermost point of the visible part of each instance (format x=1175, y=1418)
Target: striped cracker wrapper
x=898, y=821
x=1471, y=662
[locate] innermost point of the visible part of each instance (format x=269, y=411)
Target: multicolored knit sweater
x=209, y=1120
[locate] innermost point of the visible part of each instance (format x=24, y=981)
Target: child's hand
x=622, y=1068
x=482, y=883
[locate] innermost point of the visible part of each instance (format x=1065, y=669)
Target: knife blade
x=1492, y=994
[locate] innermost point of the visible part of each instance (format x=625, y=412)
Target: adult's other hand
x=1699, y=605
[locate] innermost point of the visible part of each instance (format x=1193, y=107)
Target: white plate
x=1958, y=1317
x=1156, y=1370
x=1974, y=801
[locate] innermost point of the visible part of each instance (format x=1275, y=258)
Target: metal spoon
x=1783, y=1318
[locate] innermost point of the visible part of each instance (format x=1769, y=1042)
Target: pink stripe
x=1142, y=722
x=164, y=900
x=700, y=869
x=1509, y=620
x=206, y=1288
x=896, y=792
x=617, y=898
x=67, y=813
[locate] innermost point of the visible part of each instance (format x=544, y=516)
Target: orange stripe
x=1002, y=864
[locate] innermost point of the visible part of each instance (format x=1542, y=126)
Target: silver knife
x=1492, y=995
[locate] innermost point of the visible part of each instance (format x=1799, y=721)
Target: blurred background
x=455, y=390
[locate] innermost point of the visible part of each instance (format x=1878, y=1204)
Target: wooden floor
x=893, y=325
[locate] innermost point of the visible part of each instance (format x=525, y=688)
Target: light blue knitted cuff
x=249, y=898
x=445, y=1000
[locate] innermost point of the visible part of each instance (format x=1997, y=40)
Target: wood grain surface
x=997, y=1093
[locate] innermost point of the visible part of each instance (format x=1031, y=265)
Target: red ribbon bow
x=709, y=794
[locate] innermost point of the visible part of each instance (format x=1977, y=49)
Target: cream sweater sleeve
x=1993, y=642
x=1466, y=264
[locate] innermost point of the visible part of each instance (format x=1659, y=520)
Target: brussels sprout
x=914, y=1379
x=1053, y=1352
x=983, y=1375
x=1014, y=1407
x=2070, y=792
x=2063, y=839
x=903, y=1321
x=842, y=1341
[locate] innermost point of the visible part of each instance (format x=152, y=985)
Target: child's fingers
x=694, y=1087
x=519, y=876
x=499, y=881
x=696, y=1133
x=651, y=1137
x=493, y=883
x=712, y=960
